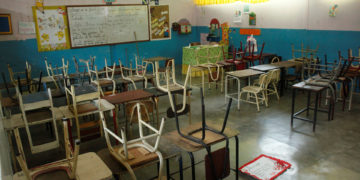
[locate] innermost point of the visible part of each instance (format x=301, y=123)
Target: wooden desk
x=89, y=167
x=264, y=67
x=309, y=88
x=284, y=65
x=191, y=147
x=158, y=93
x=238, y=75
x=125, y=97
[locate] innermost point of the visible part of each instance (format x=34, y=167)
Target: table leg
x=156, y=101
x=192, y=165
x=222, y=79
x=181, y=168
x=308, y=103
x=282, y=81
x=237, y=157
x=226, y=87
x=11, y=147
x=238, y=99
x=167, y=170
x=316, y=109
x=293, y=106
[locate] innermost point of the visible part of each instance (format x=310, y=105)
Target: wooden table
x=125, y=97
x=284, y=65
x=309, y=88
x=237, y=75
x=158, y=93
x=190, y=147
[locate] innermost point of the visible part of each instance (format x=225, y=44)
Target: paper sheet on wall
x=160, y=22
x=26, y=27
x=203, y=39
x=51, y=28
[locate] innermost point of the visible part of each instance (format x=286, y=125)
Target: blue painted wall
x=277, y=41
x=16, y=52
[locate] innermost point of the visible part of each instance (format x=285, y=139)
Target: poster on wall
x=160, y=26
x=51, y=28
x=237, y=17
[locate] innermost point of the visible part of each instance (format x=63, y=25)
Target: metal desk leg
x=292, y=106
x=282, y=81
x=181, y=168
x=11, y=147
x=156, y=101
x=192, y=165
x=237, y=157
x=188, y=93
x=222, y=79
x=316, y=109
x=238, y=99
x=308, y=103
x=167, y=170
x=226, y=87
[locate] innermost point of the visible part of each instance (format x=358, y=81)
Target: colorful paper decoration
x=255, y=32
x=5, y=24
x=225, y=33
x=185, y=26
x=252, y=18
x=40, y=5
x=332, y=10
x=51, y=28
x=246, y=9
x=160, y=22
x=237, y=17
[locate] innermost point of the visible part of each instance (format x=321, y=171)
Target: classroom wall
x=5, y=163
x=17, y=48
x=285, y=22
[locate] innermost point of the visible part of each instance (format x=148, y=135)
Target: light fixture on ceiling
x=210, y=2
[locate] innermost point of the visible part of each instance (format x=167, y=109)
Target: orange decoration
x=255, y=32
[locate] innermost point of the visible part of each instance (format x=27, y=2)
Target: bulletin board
x=160, y=22
x=5, y=24
x=51, y=28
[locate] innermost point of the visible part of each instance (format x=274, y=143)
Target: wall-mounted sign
x=26, y=27
x=5, y=24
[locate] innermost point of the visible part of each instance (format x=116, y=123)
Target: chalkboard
x=5, y=24
x=94, y=25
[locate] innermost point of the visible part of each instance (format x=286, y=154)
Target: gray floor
x=332, y=152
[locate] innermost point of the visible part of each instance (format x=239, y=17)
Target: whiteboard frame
x=100, y=5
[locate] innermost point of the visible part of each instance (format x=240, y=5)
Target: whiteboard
x=100, y=25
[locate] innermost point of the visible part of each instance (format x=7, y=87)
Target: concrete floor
x=332, y=152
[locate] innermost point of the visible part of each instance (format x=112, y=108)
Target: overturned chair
x=138, y=151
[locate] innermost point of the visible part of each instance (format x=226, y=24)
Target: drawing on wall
x=246, y=9
x=26, y=27
x=237, y=17
x=252, y=18
x=51, y=28
x=332, y=10
x=160, y=22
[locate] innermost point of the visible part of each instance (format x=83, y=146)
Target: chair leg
x=264, y=93
x=276, y=91
x=257, y=101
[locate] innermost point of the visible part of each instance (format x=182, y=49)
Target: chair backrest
x=275, y=60
x=13, y=75
x=275, y=76
x=69, y=163
x=263, y=80
x=110, y=70
x=262, y=49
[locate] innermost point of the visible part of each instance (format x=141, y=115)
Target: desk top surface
x=304, y=86
x=159, y=58
x=128, y=96
x=287, y=64
x=264, y=67
x=244, y=73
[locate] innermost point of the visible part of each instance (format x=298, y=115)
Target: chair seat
x=55, y=93
x=135, y=78
x=251, y=89
x=36, y=116
x=59, y=174
x=138, y=156
x=84, y=108
x=173, y=87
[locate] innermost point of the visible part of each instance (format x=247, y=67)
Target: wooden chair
x=67, y=166
x=138, y=151
x=258, y=92
x=82, y=104
x=274, y=78
x=81, y=70
x=276, y=59
x=253, y=57
x=58, y=78
x=169, y=87
x=139, y=74
x=16, y=77
x=37, y=109
x=104, y=82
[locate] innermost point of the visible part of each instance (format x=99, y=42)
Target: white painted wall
x=288, y=14
x=21, y=10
